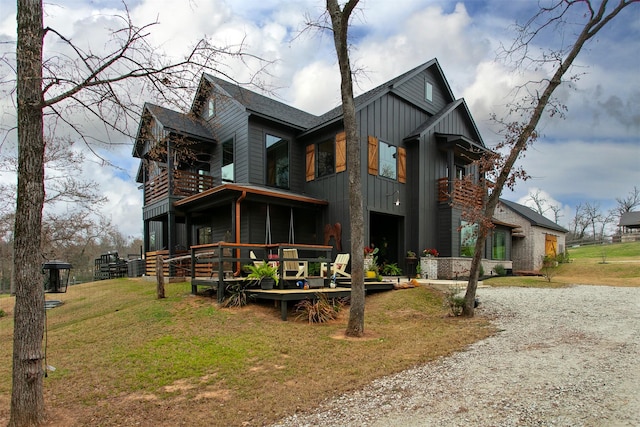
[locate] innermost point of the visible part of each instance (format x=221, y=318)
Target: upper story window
x=326, y=158
x=277, y=161
x=227, y=161
x=388, y=161
x=428, y=91
x=211, y=107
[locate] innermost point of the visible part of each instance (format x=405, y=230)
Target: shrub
x=2, y=313
x=454, y=301
x=320, y=309
x=549, y=267
x=391, y=270
x=237, y=295
x=500, y=270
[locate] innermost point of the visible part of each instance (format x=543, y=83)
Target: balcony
x=463, y=194
x=184, y=184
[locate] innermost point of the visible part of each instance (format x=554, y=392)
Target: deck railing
x=184, y=184
x=463, y=194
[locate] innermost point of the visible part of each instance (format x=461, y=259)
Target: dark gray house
x=242, y=167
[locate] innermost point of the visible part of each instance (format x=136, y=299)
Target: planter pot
x=267, y=283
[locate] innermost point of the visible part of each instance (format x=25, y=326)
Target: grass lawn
x=122, y=357
x=611, y=265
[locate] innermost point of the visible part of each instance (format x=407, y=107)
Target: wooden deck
x=286, y=295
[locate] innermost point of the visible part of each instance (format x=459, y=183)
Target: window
x=499, y=245
x=211, y=108
x=277, y=161
x=428, y=91
x=326, y=158
x=227, y=161
x=468, y=237
x=388, y=162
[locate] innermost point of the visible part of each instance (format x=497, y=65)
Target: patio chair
x=338, y=267
x=291, y=264
x=257, y=262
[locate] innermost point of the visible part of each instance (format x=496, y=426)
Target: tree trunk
x=340, y=25
x=27, y=400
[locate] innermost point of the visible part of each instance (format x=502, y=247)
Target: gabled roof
x=368, y=97
x=264, y=106
x=185, y=124
x=435, y=119
x=175, y=122
x=532, y=216
x=630, y=219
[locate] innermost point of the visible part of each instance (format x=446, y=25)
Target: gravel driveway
x=563, y=357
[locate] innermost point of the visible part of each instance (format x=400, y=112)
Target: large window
x=468, y=237
x=388, y=162
x=499, y=245
x=277, y=161
x=326, y=158
x=227, y=161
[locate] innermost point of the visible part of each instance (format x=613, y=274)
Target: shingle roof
x=179, y=122
x=265, y=106
x=630, y=219
x=532, y=216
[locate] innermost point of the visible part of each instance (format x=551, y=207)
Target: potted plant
x=411, y=255
x=372, y=269
x=370, y=258
x=264, y=274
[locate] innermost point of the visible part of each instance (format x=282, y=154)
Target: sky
x=591, y=155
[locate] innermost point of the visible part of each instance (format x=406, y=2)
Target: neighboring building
x=629, y=227
x=259, y=170
x=532, y=235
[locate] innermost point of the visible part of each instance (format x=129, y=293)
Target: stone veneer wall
x=456, y=268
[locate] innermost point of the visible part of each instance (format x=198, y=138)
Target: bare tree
x=340, y=26
x=519, y=134
x=76, y=82
x=539, y=202
x=629, y=203
x=593, y=217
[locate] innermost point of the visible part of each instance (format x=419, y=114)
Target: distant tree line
x=73, y=229
x=589, y=222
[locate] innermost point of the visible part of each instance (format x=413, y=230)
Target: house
x=629, y=227
x=533, y=236
x=246, y=168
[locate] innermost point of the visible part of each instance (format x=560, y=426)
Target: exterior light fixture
x=397, y=202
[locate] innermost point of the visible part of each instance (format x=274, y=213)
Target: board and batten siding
x=413, y=90
x=230, y=122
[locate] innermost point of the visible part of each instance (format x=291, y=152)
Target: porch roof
x=225, y=193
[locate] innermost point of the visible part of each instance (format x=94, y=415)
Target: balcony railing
x=184, y=184
x=463, y=193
